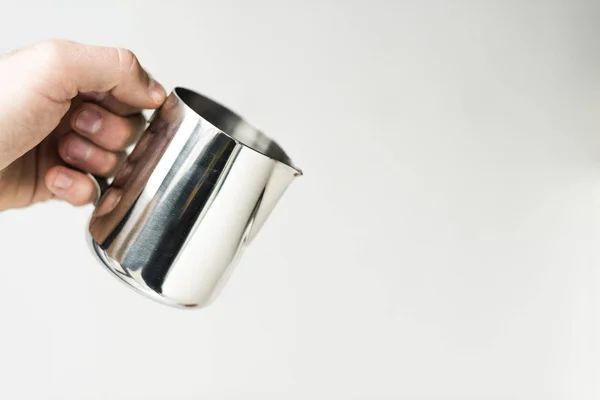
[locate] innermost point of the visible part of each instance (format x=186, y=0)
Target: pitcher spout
x=281, y=177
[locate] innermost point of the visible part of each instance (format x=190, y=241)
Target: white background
x=442, y=244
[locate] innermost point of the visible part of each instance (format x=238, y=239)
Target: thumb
x=40, y=81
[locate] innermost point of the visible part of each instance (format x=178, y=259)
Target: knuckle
x=124, y=142
x=128, y=61
x=63, y=146
x=108, y=168
x=52, y=64
x=115, y=138
x=53, y=52
x=117, y=142
x=126, y=133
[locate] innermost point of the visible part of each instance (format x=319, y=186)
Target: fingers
x=108, y=101
x=83, y=154
x=40, y=82
x=72, y=186
x=106, y=129
x=70, y=68
x=96, y=145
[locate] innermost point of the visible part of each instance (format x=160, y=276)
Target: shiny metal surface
x=192, y=194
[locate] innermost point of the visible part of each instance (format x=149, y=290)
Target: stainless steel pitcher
x=195, y=190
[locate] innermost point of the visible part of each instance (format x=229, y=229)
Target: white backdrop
x=442, y=244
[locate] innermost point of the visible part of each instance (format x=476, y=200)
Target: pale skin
x=68, y=109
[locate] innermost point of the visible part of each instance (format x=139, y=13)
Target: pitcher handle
x=101, y=184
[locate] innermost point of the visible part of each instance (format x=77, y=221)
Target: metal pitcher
x=193, y=193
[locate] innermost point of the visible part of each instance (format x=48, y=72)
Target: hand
x=67, y=109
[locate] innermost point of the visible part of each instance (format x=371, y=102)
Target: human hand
x=67, y=109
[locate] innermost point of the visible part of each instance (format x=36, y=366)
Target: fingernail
x=88, y=121
x=157, y=92
x=79, y=150
x=62, y=181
